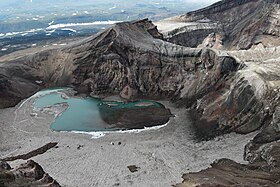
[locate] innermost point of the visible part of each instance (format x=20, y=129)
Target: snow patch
x=69, y=29
x=50, y=23
x=23, y=33
x=82, y=24
x=112, y=8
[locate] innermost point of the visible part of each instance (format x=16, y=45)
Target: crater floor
x=160, y=156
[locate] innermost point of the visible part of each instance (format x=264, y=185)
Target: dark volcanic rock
x=265, y=147
x=28, y=174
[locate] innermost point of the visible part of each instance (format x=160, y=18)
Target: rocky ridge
x=240, y=24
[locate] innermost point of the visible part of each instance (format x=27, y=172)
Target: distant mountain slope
x=242, y=24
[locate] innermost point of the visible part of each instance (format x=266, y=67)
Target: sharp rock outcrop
x=29, y=174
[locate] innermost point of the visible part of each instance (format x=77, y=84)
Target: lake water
x=84, y=114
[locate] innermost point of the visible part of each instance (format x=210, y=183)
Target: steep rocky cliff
x=242, y=24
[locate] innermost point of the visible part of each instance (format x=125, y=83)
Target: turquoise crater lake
x=90, y=114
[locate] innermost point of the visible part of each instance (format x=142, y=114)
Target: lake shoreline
x=87, y=114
